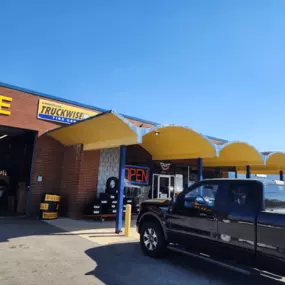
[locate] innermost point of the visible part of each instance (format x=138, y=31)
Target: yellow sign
x=57, y=112
x=49, y=216
x=44, y=206
x=52, y=198
x=4, y=106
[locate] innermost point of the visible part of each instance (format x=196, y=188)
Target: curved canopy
x=275, y=160
x=102, y=131
x=177, y=142
x=259, y=170
x=236, y=154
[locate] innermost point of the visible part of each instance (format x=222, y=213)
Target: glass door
x=162, y=186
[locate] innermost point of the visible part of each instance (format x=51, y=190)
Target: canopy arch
x=236, y=154
x=168, y=142
x=106, y=130
x=275, y=160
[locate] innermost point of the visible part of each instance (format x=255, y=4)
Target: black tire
x=152, y=250
x=112, y=185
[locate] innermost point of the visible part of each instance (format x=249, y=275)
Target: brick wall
x=47, y=163
x=24, y=108
x=67, y=171
x=70, y=173
x=88, y=179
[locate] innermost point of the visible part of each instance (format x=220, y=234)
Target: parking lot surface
x=33, y=252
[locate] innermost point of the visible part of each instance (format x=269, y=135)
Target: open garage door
x=16, y=152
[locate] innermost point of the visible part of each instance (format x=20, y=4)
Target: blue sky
x=215, y=66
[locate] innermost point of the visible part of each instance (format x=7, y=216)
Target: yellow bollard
x=128, y=219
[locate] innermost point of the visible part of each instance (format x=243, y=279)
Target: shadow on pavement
x=124, y=264
x=85, y=224
x=15, y=227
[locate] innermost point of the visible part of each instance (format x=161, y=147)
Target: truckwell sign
x=57, y=112
x=137, y=174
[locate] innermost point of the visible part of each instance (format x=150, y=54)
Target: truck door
x=237, y=219
x=192, y=217
x=271, y=227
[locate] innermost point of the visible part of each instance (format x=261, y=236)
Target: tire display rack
x=105, y=206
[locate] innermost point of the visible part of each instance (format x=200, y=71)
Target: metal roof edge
x=216, y=139
x=10, y=86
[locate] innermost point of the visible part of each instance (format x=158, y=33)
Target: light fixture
x=4, y=136
x=156, y=133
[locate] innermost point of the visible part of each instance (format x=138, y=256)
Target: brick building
x=50, y=166
x=32, y=162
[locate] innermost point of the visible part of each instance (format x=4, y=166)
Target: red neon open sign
x=137, y=174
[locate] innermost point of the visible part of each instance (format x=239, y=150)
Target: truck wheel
x=152, y=240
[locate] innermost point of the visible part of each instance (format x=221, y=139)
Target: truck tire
x=152, y=240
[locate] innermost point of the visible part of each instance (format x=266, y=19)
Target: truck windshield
x=274, y=196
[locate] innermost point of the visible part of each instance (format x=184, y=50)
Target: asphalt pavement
x=33, y=252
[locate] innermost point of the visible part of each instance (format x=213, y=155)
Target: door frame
x=158, y=183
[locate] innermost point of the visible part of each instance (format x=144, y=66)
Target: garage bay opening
x=16, y=152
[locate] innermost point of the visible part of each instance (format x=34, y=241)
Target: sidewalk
x=102, y=233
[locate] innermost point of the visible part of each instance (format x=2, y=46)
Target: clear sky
x=215, y=66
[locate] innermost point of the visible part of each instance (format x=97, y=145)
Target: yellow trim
x=49, y=216
x=52, y=198
x=44, y=206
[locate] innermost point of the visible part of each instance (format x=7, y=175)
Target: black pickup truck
x=240, y=221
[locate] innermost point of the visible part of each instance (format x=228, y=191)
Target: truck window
x=242, y=197
x=274, y=196
x=207, y=191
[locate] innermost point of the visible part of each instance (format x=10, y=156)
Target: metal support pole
x=248, y=172
x=200, y=169
x=236, y=174
x=120, y=199
x=281, y=175
x=188, y=176
x=31, y=177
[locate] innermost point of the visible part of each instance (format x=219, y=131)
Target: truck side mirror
x=200, y=200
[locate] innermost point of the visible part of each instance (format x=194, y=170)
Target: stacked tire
x=133, y=203
x=49, y=207
x=106, y=203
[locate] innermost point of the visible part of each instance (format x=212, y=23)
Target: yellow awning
x=177, y=142
x=105, y=130
x=236, y=154
x=274, y=162
x=260, y=170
